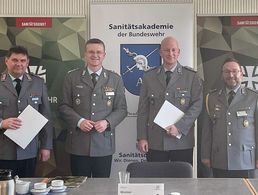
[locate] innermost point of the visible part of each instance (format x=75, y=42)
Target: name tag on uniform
x=110, y=93
x=242, y=113
x=79, y=86
x=35, y=98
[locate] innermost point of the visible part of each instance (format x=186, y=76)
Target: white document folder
x=32, y=123
x=168, y=115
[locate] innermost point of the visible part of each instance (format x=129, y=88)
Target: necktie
x=18, y=85
x=231, y=96
x=94, y=77
x=168, y=76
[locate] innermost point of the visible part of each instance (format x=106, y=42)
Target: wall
x=78, y=8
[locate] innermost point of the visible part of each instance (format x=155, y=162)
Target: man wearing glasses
x=93, y=105
x=229, y=134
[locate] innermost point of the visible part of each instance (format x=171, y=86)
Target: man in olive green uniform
x=18, y=90
x=93, y=105
x=182, y=87
x=229, y=135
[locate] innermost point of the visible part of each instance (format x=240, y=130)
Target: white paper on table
x=168, y=115
x=32, y=123
x=141, y=188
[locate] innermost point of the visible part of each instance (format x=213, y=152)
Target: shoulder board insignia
x=153, y=68
x=29, y=76
x=72, y=70
x=213, y=90
x=189, y=68
x=250, y=89
x=3, y=77
x=106, y=72
x=114, y=71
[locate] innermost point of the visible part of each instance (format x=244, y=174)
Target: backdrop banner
x=55, y=46
x=132, y=34
x=221, y=37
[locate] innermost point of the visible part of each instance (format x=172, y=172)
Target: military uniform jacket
x=184, y=91
x=82, y=100
x=34, y=93
x=229, y=134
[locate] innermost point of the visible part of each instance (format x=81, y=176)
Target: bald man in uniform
x=182, y=87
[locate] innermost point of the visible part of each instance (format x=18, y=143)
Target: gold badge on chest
x=182, y=101
x=109, y=103
x=77, y=101
x=246, y=123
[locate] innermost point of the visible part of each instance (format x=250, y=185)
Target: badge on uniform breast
x=109, y=103
x=77, y=101
x=182, y=101
x=246, y=123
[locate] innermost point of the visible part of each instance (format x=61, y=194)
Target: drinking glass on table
x=124, y=177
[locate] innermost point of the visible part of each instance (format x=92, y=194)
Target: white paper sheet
x=168, y=115
x=32, y=123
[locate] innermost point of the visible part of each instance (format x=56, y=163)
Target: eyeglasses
x=234, y=72
x=95, y=53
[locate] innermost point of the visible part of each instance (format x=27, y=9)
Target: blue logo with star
x=135, y=59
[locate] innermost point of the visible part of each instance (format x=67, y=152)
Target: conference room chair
x=175, y=169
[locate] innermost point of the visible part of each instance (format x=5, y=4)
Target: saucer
x=58, y=189
x=40, y=192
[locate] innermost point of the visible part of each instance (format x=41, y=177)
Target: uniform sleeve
x=195, y=106
x=143, y=111
x=46, y=134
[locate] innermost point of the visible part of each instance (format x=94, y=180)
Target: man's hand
x=207, y=162
x=101, y=125
x=86, y=125
x=143, y=146
x=172, y=130
x=44, y=154
x=11, y=123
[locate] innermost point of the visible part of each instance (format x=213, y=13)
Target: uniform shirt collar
x=235, y=89
x=21, y=77
x=98, y=72
x=172, y=70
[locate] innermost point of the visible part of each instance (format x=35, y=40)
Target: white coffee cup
x=40, y=186
x=22, y=187
x=57, y=183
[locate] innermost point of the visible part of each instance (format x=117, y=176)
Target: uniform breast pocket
x=35, y=101
x=215, y=117
x=245, y=118
x=108, y=101
x=183, y=97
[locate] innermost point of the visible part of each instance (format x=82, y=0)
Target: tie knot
x=17, y=80
x=94, y=77
x=231, y=96
x=168, y=72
